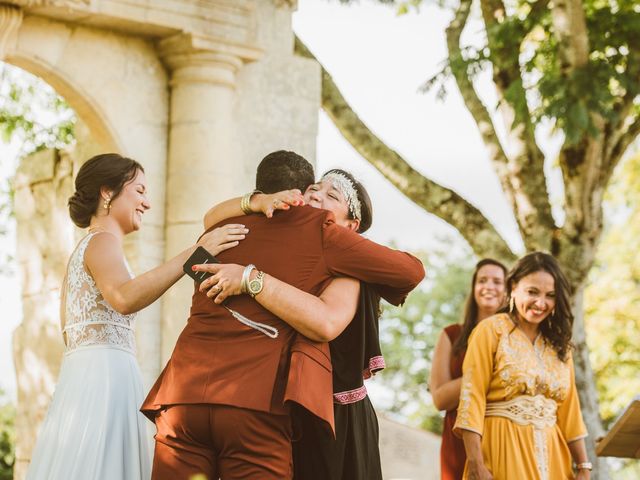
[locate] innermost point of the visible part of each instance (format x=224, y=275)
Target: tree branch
x=474, y=104
x=624, y=142
x=570, y=28
x=434, y=198
x=533, y=210
x=617, y=128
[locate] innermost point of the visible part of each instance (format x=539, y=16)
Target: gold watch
x=255, y=285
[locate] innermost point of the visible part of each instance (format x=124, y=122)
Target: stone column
x=204, y=166
x=43, y=183
x=10, y=21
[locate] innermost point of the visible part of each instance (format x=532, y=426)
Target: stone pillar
x=10, y=21
x=43, y=183
x=204, y=166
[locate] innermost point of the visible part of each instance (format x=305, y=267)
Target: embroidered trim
x=538, y=411
x=468, y=429
x=463, y=420
x=350, y=396
x=541, y=452
x=375, y=365
x=579, y=437
x=347, y=188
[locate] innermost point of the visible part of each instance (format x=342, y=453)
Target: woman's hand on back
x=223, y=238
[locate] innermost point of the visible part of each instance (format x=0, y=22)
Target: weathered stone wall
x=118, y=88
x=249, y=110
x=42, y=185
x=408, y=453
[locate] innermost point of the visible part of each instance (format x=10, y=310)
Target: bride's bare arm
x=259, y=203
x=105, y=261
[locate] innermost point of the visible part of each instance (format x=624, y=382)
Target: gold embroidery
x=465, y=400
x=527, y=369
x=541, y=453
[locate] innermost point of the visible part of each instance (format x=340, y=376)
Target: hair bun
x=81, y=208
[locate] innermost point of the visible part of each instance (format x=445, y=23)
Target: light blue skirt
x=94, y=429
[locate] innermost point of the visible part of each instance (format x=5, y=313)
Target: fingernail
x=194, y=267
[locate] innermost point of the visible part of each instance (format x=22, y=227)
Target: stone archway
x=196, y=91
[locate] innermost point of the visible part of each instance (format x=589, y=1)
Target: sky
x=379, y=61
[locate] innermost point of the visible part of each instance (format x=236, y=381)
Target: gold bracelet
x=245, y=202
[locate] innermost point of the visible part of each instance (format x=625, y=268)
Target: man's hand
x=269, y=203
x=226, y=280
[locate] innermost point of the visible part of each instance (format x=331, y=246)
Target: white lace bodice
x=89, y=319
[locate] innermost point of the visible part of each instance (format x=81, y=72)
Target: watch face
x=254, y=286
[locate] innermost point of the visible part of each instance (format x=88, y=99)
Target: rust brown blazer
x=218, y=360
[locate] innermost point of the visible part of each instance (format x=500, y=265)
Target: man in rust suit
x=219, y=403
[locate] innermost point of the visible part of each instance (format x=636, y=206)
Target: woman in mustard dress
x=519, y=414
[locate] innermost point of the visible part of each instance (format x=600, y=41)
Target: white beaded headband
x=345, y=186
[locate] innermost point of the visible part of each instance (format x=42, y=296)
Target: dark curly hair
x=108, y=170
x=363, y=196
x=470, y=316
x=556, y=327
x=283, y=170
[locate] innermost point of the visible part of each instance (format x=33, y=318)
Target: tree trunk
x=587, y=388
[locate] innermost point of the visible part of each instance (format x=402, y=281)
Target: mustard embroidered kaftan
x=502, y=364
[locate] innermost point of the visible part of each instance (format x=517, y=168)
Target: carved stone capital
x=10, y=21
x=198, y=59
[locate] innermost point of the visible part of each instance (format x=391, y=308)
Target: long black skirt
x=354, y=453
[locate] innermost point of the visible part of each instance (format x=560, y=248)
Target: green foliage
x=32, y=113
x=523, y=50
x=409, y=334
x=612, y=299
x=612, y=302
x=33, y=116
x=7, y=438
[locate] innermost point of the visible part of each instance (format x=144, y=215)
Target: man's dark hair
x=284, y=170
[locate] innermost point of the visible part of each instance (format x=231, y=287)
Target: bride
x=93, y=429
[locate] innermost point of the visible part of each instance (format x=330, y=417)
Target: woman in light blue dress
x=93, y=429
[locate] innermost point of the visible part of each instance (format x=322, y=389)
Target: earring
x=107, y=204
x=512, y=304
x=553, y=312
